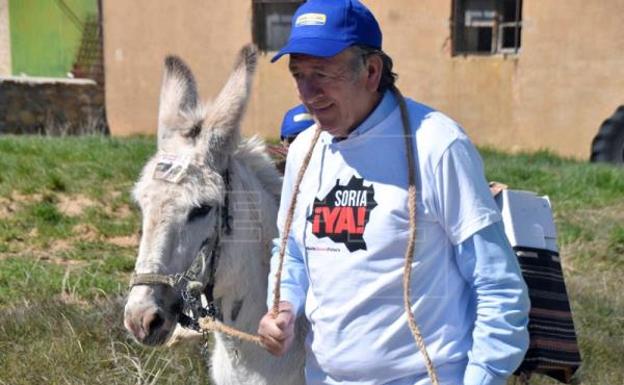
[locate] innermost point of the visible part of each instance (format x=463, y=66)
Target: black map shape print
x=343, y=213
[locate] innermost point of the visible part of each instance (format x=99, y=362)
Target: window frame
x=259, y=29
x=458, y=30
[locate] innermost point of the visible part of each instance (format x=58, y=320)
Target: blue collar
x=384, y=108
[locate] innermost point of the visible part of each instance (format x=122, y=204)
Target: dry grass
x=75, y=342
x=68, y=236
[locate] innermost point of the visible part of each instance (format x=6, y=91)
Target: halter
x=188, y=283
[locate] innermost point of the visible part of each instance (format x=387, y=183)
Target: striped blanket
x=553, y=349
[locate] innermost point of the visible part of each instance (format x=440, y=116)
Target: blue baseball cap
x=296, y=120
x=325, y=28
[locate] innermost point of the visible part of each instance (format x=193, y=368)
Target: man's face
x=338, y=96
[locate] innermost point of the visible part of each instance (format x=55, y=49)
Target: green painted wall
x=44, y=41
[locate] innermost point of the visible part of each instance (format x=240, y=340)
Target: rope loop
x=409, y=252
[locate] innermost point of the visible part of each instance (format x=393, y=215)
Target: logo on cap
x=311, y=19
x=302, y=117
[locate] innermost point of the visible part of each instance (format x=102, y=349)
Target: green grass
x=62, y=279
x=63, y=275
x=570, y=184
x=86, y=164
x=28, y=279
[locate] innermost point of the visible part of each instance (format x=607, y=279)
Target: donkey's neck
x=242, y=274
x=244, y=265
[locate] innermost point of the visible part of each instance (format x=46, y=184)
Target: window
x=486, y=27
x=271, y=22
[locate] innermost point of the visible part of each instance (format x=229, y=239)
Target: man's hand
x=277, y=333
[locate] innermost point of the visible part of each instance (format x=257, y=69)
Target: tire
x=608, y=144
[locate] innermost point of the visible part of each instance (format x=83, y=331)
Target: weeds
x=55, y=342
x=68, y=241
x=616, y=242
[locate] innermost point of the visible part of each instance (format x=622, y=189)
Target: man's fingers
x=276, y=334
x=277, y=348
x=271, y=345
x=279, y=328
x=283, y=320
x=276, y=330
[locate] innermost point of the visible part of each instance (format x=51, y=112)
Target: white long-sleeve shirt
x=345, y=255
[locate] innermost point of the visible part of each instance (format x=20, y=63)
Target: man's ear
x=374, y=66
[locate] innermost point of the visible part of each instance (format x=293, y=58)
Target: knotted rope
x=207, y=324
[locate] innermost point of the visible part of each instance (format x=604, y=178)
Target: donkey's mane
x=252, y=152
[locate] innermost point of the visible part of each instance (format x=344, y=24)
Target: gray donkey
x=207, y=192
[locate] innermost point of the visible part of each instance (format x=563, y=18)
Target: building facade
x=50, y=59
x=5, y=40
x=518, y=75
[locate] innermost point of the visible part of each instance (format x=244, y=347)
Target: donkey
x=206, y=186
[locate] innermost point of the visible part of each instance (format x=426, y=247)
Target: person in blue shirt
x=343, y=263
x=295, y=121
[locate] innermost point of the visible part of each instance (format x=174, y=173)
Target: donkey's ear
x=177, y=113
x=222, y=132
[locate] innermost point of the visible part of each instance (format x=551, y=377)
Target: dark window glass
x=271, y=22
x=485, y=27
x=509, y=36
x=484, y=39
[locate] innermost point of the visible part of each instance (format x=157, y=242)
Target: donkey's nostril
x=152, y=322
x=156, y=322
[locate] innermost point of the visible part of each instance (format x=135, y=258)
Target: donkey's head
x=182, y=188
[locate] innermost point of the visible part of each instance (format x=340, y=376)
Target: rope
x=209, y=324
x=288, y=223
x=409, y=252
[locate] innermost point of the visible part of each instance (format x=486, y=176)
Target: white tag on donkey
x=171, y=167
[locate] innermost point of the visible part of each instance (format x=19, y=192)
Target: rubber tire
x=608, y=144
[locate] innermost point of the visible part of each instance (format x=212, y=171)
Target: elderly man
x=344, y=259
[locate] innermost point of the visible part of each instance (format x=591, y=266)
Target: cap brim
x=312, y=47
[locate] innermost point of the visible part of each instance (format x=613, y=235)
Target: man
x=344, y=259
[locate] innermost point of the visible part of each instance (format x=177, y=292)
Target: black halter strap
x=188, y=282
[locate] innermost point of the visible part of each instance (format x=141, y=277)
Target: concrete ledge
x=42, y=80
x=51, y=106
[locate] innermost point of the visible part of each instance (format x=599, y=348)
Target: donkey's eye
x=198, y=212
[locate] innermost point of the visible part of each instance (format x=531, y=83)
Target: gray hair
x=361, y=53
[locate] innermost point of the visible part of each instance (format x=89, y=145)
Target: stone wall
x=50, y=106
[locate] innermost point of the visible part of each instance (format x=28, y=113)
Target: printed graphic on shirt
x=343, y=213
